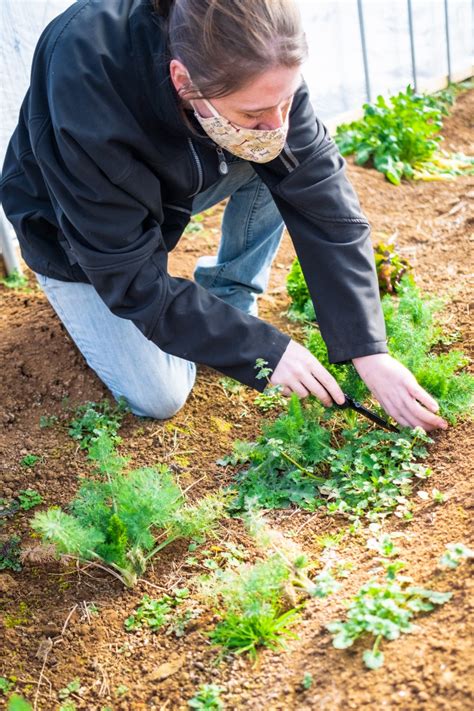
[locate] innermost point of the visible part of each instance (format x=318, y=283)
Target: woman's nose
x=274, y=119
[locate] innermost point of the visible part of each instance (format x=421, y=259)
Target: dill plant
x=116, y=521
x=415, y=338
x=249, y=600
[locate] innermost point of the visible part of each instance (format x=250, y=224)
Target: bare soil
x=46, y=633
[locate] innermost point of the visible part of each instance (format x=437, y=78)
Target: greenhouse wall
x=357, y=49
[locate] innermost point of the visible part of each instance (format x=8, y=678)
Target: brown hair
x=224, y=44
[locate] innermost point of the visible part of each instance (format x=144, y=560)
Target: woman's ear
x=179, y=75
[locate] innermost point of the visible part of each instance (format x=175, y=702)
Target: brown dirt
x=43, y=374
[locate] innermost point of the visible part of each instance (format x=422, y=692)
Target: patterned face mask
x=258, y=146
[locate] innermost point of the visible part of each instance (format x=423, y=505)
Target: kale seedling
x=29, y=498
x=5, y=685
x=154, y=613
x=455, y=554
x=30, y=460
x=207, y=698
x=94, y=419
x=384, y=610
x=10, y=553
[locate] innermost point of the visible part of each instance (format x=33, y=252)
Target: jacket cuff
x=344, y=354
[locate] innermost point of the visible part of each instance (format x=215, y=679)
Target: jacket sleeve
x=330, y=233
x=108, y=207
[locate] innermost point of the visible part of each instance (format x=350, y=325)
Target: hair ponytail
x=224, y=44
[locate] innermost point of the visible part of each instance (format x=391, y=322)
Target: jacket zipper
x=223, y=167
x=198, y=166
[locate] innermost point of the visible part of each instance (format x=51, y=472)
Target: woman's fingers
x=422, y=396
x=423, y=417
x=300, y=372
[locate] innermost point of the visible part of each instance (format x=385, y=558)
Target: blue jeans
x=154, y=383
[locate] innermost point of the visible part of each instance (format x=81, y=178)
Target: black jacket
x=99, y=179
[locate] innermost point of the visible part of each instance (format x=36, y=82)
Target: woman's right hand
x=298, y=371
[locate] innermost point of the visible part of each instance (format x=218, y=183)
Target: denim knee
x=161, y=403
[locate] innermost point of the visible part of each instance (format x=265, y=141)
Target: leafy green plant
x=72, y=688
x=15, y=280
x=155, y=613
x=95, y=419
x=249, y=601
x=5, y=685
x=47, y=421
x=114, y=522
x=455, y=554
x=400, y=137
x=384, y=610
x=30, y=460
x=307, y=681
x=29, y=498
x=10, y=553
x=207, y=698
x=364, y=472
x=414, y=334
x=391, y=267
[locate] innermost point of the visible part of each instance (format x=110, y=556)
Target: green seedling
x=10, y=553
x=154, y=614
x=438, y=496
x=231, y=386
x=29, y=498
x=297, y=563
x=5, y=685
x=68, y=705
x=384, y=545
x=95, y=419
x=30, y=460
x=401, y=137
x=415, y=335
x=72, y=688
x=15, y=280
x=249, y=600
x=195, y=224
x=114, y=522
x=456, y=553
x=207, y=698
x=307, y=681
x=271, y=399
x=121, y=690
x=385, y=611
x=47, y=421
x=365, y=473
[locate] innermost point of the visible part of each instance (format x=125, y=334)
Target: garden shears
x=352, y=404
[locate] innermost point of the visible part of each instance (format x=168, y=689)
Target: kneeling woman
x=140, y=114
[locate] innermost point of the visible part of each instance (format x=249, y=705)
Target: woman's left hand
x=397, y=390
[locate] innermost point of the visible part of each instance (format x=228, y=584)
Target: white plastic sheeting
x=334, y=71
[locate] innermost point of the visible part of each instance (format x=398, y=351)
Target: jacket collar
x=152, y=59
